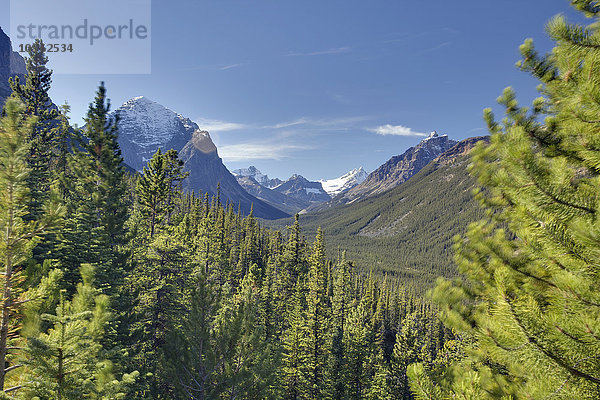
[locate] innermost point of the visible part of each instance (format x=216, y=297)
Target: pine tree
x=18, y=237
x=34, y=95
x=317, y=322
x=159, y=187
x=98, y=194
x=407, y=349
x=340, y=308
x=190, y=348
x=66, y=361
x=158, y=286
x=356, y=345
x=224, y=352
x=293, y=338
x=530, y=294
x=153, y=190
x=294, y=261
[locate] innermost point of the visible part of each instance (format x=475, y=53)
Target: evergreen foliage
x=406, y=232
x=529, y=297
x=151, y=293
x=33, y=93
x=19, y=236
x=65, y=361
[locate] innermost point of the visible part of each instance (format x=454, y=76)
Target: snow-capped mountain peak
x=335, y=186
x=258, y=176
x=145, y=126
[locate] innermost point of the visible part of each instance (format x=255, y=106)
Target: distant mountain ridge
x=292, y=195
x=395, y=171
x=288, y=204
x=145, y=126
x=301, y=188
x=258, y=176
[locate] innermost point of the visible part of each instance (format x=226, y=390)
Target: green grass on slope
x=407, y=231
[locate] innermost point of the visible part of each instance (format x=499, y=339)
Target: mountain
x=288, y=204
x=254, y=173
x=145, y=126
x=11, y=64
x=395, y=171
x=406, y=231
x=301, y=188
x=334, y=187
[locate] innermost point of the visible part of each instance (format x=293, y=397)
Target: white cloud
x=335, y=50
x=252, y=151
x=214, y=125
x=397, y=130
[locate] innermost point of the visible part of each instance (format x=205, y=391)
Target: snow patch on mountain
x=155, y=124
x=145, y=126
x=335, y=186
x=313, y=190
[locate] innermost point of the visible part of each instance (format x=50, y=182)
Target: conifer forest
x=117, y=284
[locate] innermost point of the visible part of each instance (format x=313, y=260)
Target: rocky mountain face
x=259, y=177
x=145, y=126
x=334, y=187
x=289, y=204
x=11, y=64
x=291, y=196
x=301, y=188
x=395, y=171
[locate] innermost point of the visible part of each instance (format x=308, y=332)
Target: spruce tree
x=530, y=293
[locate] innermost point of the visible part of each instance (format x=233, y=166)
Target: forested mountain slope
x=408, y=230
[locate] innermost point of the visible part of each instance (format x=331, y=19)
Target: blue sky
x=321, y=87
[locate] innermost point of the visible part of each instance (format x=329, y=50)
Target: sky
x=318, y=88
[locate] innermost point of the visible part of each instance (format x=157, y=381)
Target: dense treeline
x=122, y=286
x=405, y=232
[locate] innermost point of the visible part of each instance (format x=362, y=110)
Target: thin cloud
x=214, y=125
x=288, y=124
x=226, y=67
x=435, y=48
x=253, y=151
x=328, y=123
x=302, y=123
x=395, y=130
x=335, y=50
